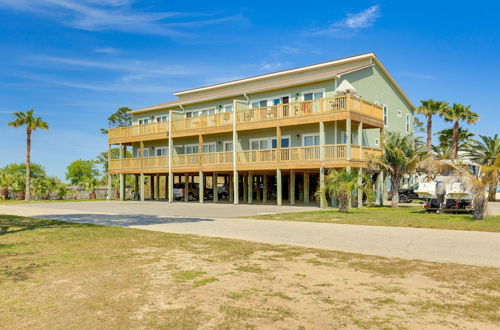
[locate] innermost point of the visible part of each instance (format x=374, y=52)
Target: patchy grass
x=16, y=201
x=404, y=216
x=55, y=274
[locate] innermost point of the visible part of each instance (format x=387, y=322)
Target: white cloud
x=107, y=50
x=131, y=69
x=351, y=24
x=114, y=15
x=272, y=66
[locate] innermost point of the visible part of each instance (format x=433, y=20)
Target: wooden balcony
x=324, y=109
x=152, y=131
x=335, y=155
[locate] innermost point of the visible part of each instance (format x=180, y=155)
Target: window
x=228, y=146
x=259, y=144
x=190, y=149
x=146, y=152
x=162, y=118
x=310, y=140
x=143, y=121
x=285, y=142
x=400, y=113
x=313, y=95
x=407, y=123
x=228, y=108
x=386, y=115
x=161, y=151
x=259, y=104
x=377, y=142
x=209, y=147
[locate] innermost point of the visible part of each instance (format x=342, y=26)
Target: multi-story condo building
x=265, y=138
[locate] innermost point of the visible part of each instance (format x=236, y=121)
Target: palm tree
x=341, y=185
x=485, y=153
x=429, y=108
x=32, y=123
x=401, y=156
x=445, y=137
x=456, y=114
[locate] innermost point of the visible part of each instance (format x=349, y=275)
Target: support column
x=348, y=138
x=360, y=140
x=166, y=186
x=122, y=187
x=306, y=188
x=250, y=188
x=321, y=140
x=360, y=192
x=264, y=190
x=157, y=187
x=186, y=187
x=291, y=192
x=110, y=179
x=141, y=184
x=152, y=188
x=170, y=151
x=136, y=187
x=215, y=188
x=322, y=202
x=231, y=189
x=201, y=188
x=279, y=196
x=257, y=184
x=245, y=187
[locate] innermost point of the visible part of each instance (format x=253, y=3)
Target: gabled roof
x=237, y=87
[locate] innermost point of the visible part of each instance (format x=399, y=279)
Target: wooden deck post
x=122, y=186
x=380, y=184
x=322, y=202
x=257, y=197
x=170, y=151
x=231, y=189
x=306, y=188
x=321, y=140
x=264, y=190
x=245, y=186
x=348, y=138
x=201, y=188
x=279, y=196
x=186, y=187
x=360, y=140
x=157, y=187
x=360, y=192
x=291, y=190
x=110, y=179
x=215, y=188
x=152, y=187
x=142, y=187
x=250, y=187
x=136, y=187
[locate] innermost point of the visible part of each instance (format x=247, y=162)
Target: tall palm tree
x=32, y=123
x=429, y=108
x=456, y=114
x=485, y=153
x=465, y=139
x=401, y=156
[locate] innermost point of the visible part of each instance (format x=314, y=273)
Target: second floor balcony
x=253, y=118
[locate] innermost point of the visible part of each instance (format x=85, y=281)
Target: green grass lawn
x=63, y=275
x=404, y=216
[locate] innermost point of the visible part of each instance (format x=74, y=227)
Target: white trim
x=160, y=148
x=270, y=141
x=377, y=142
x=224, y=146
x=308, y=135
x=280, y=73
x=143, y=118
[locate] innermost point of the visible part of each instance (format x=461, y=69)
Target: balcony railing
x=245, y=116
x=138, y=131
x=331, y=152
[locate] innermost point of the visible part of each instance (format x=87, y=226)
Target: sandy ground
x=217, y=220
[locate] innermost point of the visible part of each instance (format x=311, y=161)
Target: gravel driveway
x=219, y=220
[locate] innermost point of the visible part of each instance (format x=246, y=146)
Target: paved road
x=475, y=248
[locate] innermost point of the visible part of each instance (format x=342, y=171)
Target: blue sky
x=76, y=62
